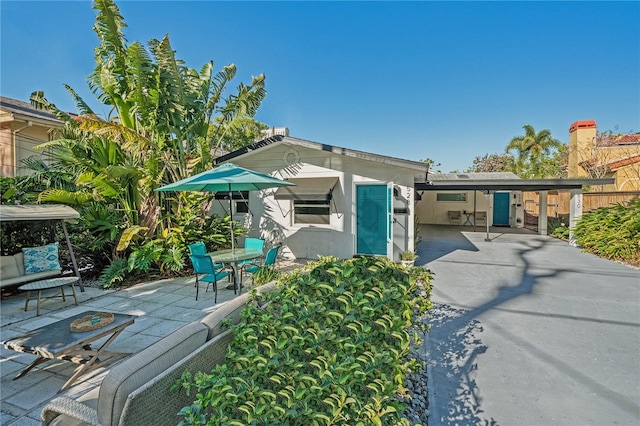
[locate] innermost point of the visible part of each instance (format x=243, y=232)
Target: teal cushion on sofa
x=41, y=259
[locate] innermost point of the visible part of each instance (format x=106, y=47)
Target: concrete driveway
x=529, y=331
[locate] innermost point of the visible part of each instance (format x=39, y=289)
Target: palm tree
x=533, y=150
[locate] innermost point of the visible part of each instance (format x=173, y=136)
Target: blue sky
x=442, y=80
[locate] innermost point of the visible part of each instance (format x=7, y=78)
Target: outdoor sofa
x=136, y=391
x=12, y=271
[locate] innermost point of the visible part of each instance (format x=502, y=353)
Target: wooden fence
x=559, y=203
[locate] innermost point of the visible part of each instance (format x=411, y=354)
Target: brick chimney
x=582, y=139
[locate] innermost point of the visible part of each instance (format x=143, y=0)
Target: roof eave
x=519, y=184
x=392, y=161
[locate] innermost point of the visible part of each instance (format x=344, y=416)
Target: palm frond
x=71, y=198
x=142, y=81
x=37, y=98
x=126, y=136
x=81, y=105
x=108, y=27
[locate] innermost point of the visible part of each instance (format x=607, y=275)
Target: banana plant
x=164, y=121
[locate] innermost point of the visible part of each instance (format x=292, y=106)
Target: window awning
x=307, y=189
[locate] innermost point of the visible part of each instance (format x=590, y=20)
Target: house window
x=311, y=199
x=451, y=196
x=242, y=206
x=240, y=199
x=309, y=212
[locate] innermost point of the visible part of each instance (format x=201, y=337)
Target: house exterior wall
x=7, y=165
x=18, y=138
x=582, y=148
x=628, y=178
x=272, y=219
x=26, y=141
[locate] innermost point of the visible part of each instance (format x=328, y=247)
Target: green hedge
x=612, y=232
x=330, y=347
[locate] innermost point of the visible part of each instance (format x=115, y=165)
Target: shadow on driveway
x=528, y=330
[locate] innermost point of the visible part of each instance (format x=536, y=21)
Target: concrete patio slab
x=529, y=330
x=162, y=307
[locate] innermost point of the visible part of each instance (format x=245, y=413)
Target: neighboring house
x=345, y=202
x=22, y=127
x=616, y=157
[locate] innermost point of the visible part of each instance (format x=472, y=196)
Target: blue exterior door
x=501, y=209
x=373, y=210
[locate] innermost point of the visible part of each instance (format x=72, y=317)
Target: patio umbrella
x=226, y=178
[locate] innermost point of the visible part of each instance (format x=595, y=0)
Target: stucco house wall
x=618, y=159
x=272, y=218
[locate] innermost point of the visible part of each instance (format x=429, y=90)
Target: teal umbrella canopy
x=226, y=178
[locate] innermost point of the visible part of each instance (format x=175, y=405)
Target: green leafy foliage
x=165, y=122
x=612, y=232
x=265, y=275
x=560, y=231
x=408, y=255
x=329, y=347
x=114, y=274
x=535, y=153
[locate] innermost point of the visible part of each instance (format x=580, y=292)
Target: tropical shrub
x=265, y=275
x=165, y=122
x=329, y=347
x=561, y=231
x=612, y=232
x=557, y=227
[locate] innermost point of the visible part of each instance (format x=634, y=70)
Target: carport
x=489, y=184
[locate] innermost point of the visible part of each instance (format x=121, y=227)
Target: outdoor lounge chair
x=455, y=217
x=205, y=270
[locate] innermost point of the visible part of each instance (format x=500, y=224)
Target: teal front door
x=501, y=209
x=373, y=215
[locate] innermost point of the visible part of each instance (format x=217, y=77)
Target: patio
x=162, y=307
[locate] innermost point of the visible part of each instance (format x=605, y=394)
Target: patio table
x=57, y=341
x=468, y=215
x=231, y=257
x=40, y=285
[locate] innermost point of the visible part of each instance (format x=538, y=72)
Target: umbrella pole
x=233, y=249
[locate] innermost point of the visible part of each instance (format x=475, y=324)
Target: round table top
x=49, y=283
x=235, y=255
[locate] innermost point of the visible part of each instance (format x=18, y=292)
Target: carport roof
x=501, y=182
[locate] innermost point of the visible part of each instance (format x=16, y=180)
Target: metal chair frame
x=207, y=271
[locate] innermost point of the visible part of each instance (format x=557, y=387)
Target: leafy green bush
x=612, y=232
x=560, y=231
x=114, y=274
x=264, y=275
x=329, y=347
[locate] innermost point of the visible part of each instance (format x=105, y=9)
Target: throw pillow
x=41, y=259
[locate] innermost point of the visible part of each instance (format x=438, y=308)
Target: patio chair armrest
x=69, y=407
